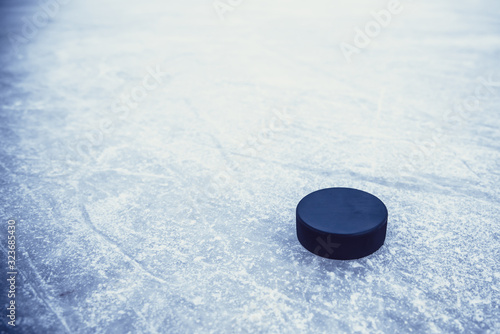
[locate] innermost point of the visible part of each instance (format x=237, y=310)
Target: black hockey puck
x=341, y=223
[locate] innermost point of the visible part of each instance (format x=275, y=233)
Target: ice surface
x=176, y=214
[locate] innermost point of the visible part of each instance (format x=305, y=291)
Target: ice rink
x=152, y=155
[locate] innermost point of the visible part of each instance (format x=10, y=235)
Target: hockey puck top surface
x=341, y=223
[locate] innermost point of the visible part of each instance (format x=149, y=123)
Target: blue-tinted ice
x=153, y=154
